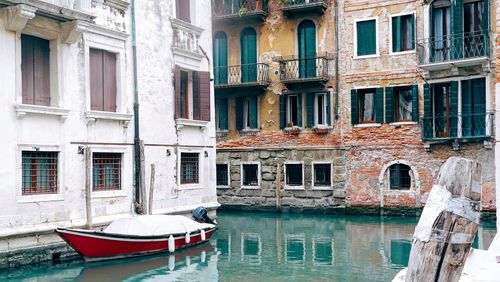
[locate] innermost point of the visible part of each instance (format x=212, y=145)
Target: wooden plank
x=448, y=224
x=151, y=189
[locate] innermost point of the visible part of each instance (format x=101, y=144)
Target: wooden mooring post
x=151, y=190
x=448, y=224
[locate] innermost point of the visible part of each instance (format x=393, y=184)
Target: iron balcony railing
x=462, y=126
x=241, y=75
x=453, y=47
x=303, y=68
x=304, y=2
x=221, y=8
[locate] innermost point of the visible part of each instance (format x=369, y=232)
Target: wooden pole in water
x=278, y=186
x=151, y=190
x=448, y=223
x=88, y=187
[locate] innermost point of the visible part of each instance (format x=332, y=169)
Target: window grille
x=250, y=175
x=400, y=177
x=39, y=172
x=294, y=174
x=106, y=171
x=222, y=175
x=322, y=175
x=190, y=168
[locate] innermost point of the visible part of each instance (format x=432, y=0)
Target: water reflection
x=266, y=247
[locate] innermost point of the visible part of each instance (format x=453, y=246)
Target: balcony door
x=307, y=49
x=248, y=55
x=442, y=108
x=220, y=58
x=441, y=30
x=474, y=36
x=474, y=107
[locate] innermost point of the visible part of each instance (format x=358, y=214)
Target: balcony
x=300, y=7
x=305, y=71
x=230, y=11
x=251, y=77
x=186, y=39
x=462, y=127
x=454, y=51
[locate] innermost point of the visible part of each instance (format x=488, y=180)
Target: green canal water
x=265, y=247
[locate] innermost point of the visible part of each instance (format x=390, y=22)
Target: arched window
x=307, y=48
x=400, y=178
x=248, y=55
x=220, y=57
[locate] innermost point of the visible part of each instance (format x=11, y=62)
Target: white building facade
x=67, y=110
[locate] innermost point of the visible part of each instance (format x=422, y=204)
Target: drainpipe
x=137, y=164
x=336, y=7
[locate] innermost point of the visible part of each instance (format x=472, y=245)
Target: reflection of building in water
x=251, y=248
x=322, y=251
x=295, y=249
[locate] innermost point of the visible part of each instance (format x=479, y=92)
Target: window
x=221, y=114
x=250, y=175
x=293, y=110
x=192, y=94
x=106, y=171
x=442, y=108
x=102, y=80
x=306, y=33
x=250, y=113
x=441, y=31
x=294, y=175
x=183, y=10
x=367, y=106
x=35, y=69
x=39, y=172
x=321, y=109
x=474, y=107
x=366, y=35
x=473, y=16
x=322, y=175
x=403, y=37
x=403, y=103
x=190, y=168
x=400, y=177
x=222, y=175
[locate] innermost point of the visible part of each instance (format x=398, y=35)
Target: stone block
x=265, y=155
x=268, y=176
x=22, y=242
x=339, y=194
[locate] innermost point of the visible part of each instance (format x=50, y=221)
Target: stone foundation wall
x=266, y=194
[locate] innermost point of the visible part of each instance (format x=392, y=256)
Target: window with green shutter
x=248, y=46
x=221, y=113
x=293, y=110
x=220, y=57
x=366, y=34
x=403, y=33
x=250, y=113
x=307, y=49
x=473, y=107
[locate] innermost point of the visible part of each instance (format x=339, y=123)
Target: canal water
x=265, y=247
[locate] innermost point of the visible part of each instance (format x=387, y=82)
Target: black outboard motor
x=200, y=214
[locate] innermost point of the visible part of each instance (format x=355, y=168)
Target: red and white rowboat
x=137, y=236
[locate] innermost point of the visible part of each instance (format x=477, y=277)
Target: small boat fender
x=188, y=238
x=171, y=244
x=203, y=237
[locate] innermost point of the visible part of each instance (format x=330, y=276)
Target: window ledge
x=195, y=186
x=250, y=187
x=223, y=187
x=366, y=57
x=181, y=122
x=296, y=188
x=291, y=128
x=108, y=194
x=40, y=198
x=403, y=53
x=24, y=109
x=399, y=123
x=222, y=131
x=321, y=188
x=367, y=125
x=92, y=116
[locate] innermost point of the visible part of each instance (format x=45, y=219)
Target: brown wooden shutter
x=96, y=80
x=41, y=71
x=109, y=78
x=183, y=10
x=196, y=96
x=204, y=85
x=27, y=69
x=35, y=69
x=177, y=91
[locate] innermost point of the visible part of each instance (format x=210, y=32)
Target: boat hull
x=99, y=246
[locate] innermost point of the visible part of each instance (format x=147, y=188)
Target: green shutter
x=220, y=58
x=379, y=105
x=412, y=32
x=253, y=112
x=239, y=113
x=310, y=109
x=248, y=55
x=389, y=105
x=457, y=8
x=354, y=107
x=299, y=110
x=328, y=109
x=479, y=107
x=467, y=107
x=307, y=49
x=366, y=38
x=414, y=103
x=223, y=113
x=427, y=122
x=485, y=25
x=454, y=108
x=396, y=34
x=282, y=111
